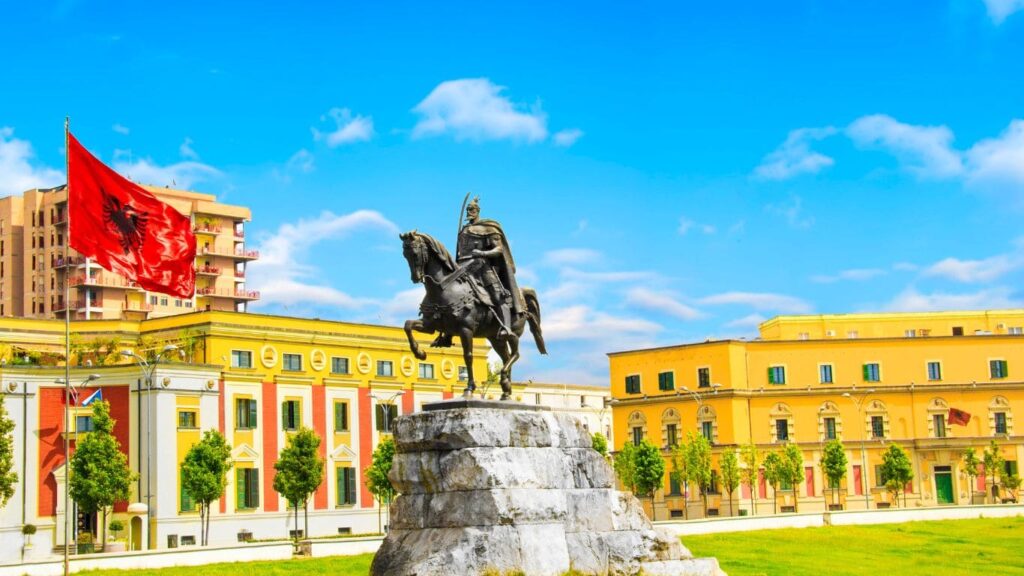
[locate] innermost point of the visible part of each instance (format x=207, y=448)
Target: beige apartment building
x=34, y=265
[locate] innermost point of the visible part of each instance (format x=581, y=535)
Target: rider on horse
x=483, y=248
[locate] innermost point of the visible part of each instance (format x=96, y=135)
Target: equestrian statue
x=473, y=295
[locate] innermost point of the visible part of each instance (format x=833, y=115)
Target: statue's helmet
x=473, y=206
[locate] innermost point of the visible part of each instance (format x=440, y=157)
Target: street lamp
x=859, y=401
x=66, y=382
x=148, y=369
x=388, y=402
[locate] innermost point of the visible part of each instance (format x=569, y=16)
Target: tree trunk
x=202, y=524
x=296, y=535
x=686, y=498
x=753, y=496
x=305, y=518
x=103, y=546
x=728, y=495
x=207, y=533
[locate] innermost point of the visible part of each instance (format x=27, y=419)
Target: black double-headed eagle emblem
x=129, y=223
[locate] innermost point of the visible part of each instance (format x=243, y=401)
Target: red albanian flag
x=126, y=230
x=957, y=416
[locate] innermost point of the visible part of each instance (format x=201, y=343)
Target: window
x=386, y=414
x=163, y=301
x=245, y=414
x=1000, y=422
x=997, y=368
x=782, y=429
x=241, y=359
x=292, y=362
x=385, y=368
x=934, y=371
x=153, y=300
x=880, y=478
x=674, y=488
x=188, y=504
x=341, y=416
x=1015, y=330
x=638, y=435
x=426, y=371
x=852, y=334
x=825, y=373
x=187, y=419
x=939, y=423
x=346, y=486
x=830, y=428
x=703, y=377
x=707, y=430
x=247, y=488
x=83, y=424
x=339, y=365
x=291, y=415
x=871, y=372
x=666, y=381
x=877, y=427
x=633, y=384
x=958, y=330
x=463, y=374
x=910, y=333
x=1010, y=467
x=803, y=336
x=777, y=375
x=671, y=435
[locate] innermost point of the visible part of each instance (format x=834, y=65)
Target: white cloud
x=910, y=300
x=179, y=175
x=347, y=128
x=685, y=225
x=795, y=157
x=746, y=322
x=402, y=306
x=301, y=161
x=120, y=129
x=792, y=212
x=760, y=301
x=661, y=302
x=998, y=160
x=855, y=274
x=567, y=138
x=1000, y=10
x=18, y=172
x=585, y=323
x=607, y=277
x=571, y=257
x=924, y=150
x=905, y=267
x=973, y=271
x=186, y=150
x=475, y=109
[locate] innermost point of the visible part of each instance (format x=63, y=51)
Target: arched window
x=1000, y=418
x=938, y=409
x=670, y=428
x=707, y=423
x=637, y=427
x=876, y=420
x=830, y=425
x=781, y=422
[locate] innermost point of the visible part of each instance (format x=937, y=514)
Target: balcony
x=104, y=281
x=239, y=274
x=239, y=254
x=207, y=229
x=61, y=262
x=239, y=233
x=134, y=307
x=228, y=293
x=208, y=270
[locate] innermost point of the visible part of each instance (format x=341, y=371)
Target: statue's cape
x=507, y=267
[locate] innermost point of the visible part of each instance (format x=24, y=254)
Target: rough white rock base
x=503, y=487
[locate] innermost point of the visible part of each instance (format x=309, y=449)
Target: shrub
x=28, y=529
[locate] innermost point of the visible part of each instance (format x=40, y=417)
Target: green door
x=944, y=487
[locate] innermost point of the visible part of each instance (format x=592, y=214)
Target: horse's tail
x=533, y=317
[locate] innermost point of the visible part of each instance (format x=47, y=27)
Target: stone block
x=488, y=428
x=590, y=510
x=590, y=469
x=548, y=552
x=587, y=553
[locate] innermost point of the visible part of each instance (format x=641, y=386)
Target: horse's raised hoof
x=467, y=393
x=506, y=396
x=420, y=354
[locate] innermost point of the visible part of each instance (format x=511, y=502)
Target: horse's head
x=415, y=250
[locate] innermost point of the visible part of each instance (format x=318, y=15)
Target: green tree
x=833, y=465
x=993, y=460
x=1012, y=484
x=794, y=469
x=775, y=473
x=204, y=475
x=698, y=464
x=648, y=469
x=750, y=457
x=971, y=463
x=300, y=471
x=599, y=443
x=99, y=470
x=679, y=472
x=624, y=466
x=189, y=342
x=897, y=471
x=377, y=481
x=730, y=472
x=8, y=477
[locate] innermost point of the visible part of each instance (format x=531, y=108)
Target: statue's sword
x=462, y=214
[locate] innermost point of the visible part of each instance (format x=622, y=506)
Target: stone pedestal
x=500, y=487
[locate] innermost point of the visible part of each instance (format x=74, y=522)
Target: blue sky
x=666, y=172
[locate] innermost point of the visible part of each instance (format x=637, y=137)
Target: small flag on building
x=126, y=229
x=957, y=416
x=97, y=395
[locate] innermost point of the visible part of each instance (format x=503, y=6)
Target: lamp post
x=859, y=401
x=389, y=401
x=66, y=382
x=700, y=402
x=148, y=369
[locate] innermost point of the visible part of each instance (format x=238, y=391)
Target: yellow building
x=869, y=380
x=33, y=267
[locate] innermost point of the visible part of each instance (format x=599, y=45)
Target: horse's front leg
x=506, y=368
x=466, y=336
x=418, y=326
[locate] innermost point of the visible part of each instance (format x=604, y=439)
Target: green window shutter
x=252, y=413
x=238, y=413
x=771, y=376
x=1003, y=369
x=284, y=415
x=864, y=372
x=254, y=475
x=350, y=475
x=344, y=415
x=339, y=486
x=239, y=488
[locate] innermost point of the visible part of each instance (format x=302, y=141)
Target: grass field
x=983, y=546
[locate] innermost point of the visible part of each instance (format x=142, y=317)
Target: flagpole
x=67, y=348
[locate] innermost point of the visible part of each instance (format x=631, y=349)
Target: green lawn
x=983, y=546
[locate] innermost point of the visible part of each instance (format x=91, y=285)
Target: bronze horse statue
x=453, y=307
